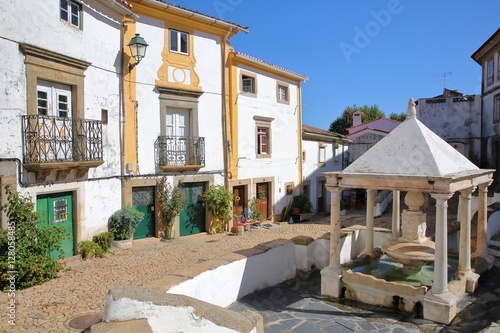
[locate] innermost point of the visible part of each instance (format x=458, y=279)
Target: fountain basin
x=412, y=255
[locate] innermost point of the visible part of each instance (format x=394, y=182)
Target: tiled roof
x=270, y=64
x=124, y=3
x=199, y=13
x=396, y=121
x=314, y=130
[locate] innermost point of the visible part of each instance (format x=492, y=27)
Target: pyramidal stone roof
x=411, y=149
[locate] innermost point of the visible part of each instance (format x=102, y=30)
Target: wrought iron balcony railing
x=50, y=139
x=178, y=151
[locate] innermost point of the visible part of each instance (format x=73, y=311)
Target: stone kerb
x=174, y=313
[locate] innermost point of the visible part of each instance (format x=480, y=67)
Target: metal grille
x=143, y=196
x=50, y=139
x=180, y=150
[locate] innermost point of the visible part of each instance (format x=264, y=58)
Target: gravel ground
x=50, y=306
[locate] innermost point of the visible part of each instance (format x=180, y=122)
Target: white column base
x=441, y=308
x=331, y=281
x=471, y=281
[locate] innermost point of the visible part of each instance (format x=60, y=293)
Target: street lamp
x=138, y=48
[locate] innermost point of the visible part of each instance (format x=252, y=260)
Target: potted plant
x=219, y=202
x=123, y=223
x=171, y=204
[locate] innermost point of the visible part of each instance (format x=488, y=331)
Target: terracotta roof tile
x=270, y=64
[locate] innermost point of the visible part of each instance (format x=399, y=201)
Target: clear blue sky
x=363, y=52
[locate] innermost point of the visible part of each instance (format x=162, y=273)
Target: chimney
x=356, y=118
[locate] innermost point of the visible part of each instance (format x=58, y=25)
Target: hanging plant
x=171, y=204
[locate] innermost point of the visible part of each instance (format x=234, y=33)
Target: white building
x=488, y=57
x=175, y=111
x=322, y=151
x=60, y=109
x=456, y=118
x=265, y=133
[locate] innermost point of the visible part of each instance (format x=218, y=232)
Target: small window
x=336, y=152
x=322, y=154
x=496, y=109
x=71, y=12
x=262, y=141
x=248, y=84
x=60, y=210
x=282, y=93
x=104, y=116
x=304, y=156
x=489, y=72
x=179, y=42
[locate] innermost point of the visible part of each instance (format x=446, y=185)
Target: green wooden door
x=143, y=199
x=192, y=218
x=57, y=209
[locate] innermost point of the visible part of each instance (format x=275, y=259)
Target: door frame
x=75, y=225
x=270, y=198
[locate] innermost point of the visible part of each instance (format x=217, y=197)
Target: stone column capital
x=467, y=192
x=484, y=186
x=441, y=198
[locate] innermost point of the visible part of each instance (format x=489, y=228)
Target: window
x=248, y=84
x=282, y=93
x=263, y=136
x=496, y=109
x=53, y=99
x=336, y=152
x=179, y=41
x=489, y=72
x=71, y=12
x=322, y=154
x=104, y=116
x=262, y=140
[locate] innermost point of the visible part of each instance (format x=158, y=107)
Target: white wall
x=99, y=42
x=284, y=135
x=312, y=169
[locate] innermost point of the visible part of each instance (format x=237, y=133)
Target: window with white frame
x=71, y=13
x=322, y=154
x=282, y=93
x=496, y=109
x=263, y=136
x=179, y=41
x=53, y=99
x=262, y=140
x=336, y=152
x=248, y=84
x=490, y=69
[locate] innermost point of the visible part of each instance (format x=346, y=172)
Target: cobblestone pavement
x=296, y=306
x=50, y=306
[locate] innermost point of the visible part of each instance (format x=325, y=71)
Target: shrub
x=105, y=240
x=301, y=202
x=171, y=204
x=26, y=247
x=89, y=249
x=220, y=203
x=124, y=221
x=255, y=213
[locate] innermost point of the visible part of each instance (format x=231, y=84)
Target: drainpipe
x=225, y=142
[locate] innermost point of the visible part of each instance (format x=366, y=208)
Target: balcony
x=180, y=153
x=62, y=144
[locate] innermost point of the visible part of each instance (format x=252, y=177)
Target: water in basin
x=389, y=270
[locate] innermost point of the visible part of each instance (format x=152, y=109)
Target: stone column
x=396, y=214
x=482, y=224
x=370, y=220
x=439, y=304
x=464, y=267
x=331, y=275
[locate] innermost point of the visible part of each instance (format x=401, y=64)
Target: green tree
x=370, y=112
x=398, y=117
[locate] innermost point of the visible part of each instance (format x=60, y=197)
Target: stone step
x=494, y=250
x=495, y=240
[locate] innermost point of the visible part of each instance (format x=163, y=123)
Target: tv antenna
x=443, y=78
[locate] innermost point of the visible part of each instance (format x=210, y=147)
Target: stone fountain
x=415, y=160
x=413, y=249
